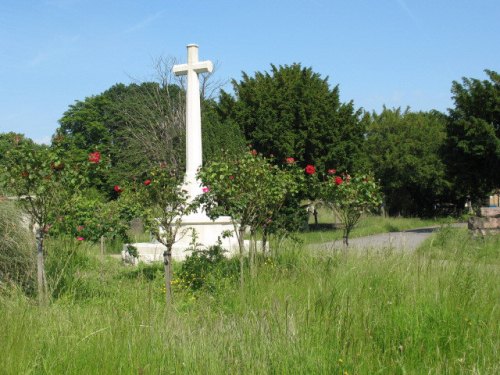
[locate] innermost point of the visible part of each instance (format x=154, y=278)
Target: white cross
x=193, y=115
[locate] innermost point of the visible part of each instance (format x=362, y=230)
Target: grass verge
x=335, y=313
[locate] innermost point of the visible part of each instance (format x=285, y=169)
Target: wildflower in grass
x=80, y=239
x=147, y=182
x=338, y=180
x=332, y=171
x=117, y=188
x=205, y=189
x=94, y=157
x=290, y=160
x=310, y=169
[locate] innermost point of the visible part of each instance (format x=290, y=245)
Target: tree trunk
x=167, y=261
x=40, y=266
x=346, y=237
x=264, y=242
x=315, y=214
x=241, y=244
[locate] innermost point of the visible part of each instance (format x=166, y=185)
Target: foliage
x=350, y=197
x=219, y=136
x=292, y=111
x=206, y=269
x=405, y=155
x=17, y=261
x=473, y=144
x=88, y=216
x=249, y=189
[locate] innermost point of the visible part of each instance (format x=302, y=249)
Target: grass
x=457, y=244
x=336, y=313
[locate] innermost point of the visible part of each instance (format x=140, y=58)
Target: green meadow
x=433, y=311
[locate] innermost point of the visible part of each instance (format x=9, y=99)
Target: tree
x=350, y=197
x=292, y=111
x=473, y=145
x=141, y=125
x=250, y=190
x=164, y=203
x=405, y=154
x=42, y=181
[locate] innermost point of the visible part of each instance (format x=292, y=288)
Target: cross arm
x=199, y=67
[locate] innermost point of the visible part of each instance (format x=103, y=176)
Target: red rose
x=338, y=180
x=118, y=189
x=310, y=169
x=332, y=171
x=147, y=182
x=94, y=157
x=290, y=160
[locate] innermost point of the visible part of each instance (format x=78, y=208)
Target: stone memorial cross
x=193, y=116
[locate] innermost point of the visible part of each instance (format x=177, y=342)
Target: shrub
x=206, y=268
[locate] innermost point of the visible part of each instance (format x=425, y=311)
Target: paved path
x=408, y=240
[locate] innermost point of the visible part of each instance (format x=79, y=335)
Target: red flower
x=147, y=182
x=338, y=180
x=94, y=157
x=254, y=152
x=332, y=171
x=290, y=160
x=118, y=189
x=310, y=169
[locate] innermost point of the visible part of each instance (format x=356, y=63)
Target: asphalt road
x=408, y=240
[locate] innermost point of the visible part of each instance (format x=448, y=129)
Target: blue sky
x=392, y=52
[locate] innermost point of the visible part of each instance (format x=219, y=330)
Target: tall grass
x=17, y=249
x=323, y=313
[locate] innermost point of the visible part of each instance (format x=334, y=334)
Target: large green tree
x=473, y=146
x=405, y=154
x=292, y=111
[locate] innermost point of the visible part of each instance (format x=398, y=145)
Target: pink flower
x=205, y=189
x=94, y=157
x=332, y=171
x=310, y=169
x=147, y=182
x=254, y=152
x=290, y=160
x=80, y=239
x=338, y=180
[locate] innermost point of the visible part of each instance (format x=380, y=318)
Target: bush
x=17, y=250
x=206, y=269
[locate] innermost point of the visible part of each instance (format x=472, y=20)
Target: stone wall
x=488, y=222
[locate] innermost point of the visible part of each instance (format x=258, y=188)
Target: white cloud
x=145, y=22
